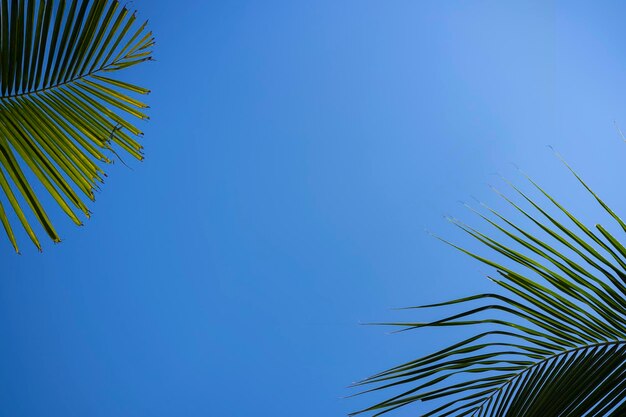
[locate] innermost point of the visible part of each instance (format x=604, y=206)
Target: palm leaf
x=555, y=341
x=61, y=109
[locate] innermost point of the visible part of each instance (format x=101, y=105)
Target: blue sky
x=298, y=150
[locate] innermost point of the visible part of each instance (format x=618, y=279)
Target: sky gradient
x=297, y=152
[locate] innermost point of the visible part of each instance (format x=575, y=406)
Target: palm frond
x=61, y=110
x=551, y=343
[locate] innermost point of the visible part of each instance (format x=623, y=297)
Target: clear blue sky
x=297, y=152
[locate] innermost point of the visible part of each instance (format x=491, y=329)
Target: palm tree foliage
x=61, y=109
x=552, y=342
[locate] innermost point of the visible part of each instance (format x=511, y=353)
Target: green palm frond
x=61, y=110
x=552, y=343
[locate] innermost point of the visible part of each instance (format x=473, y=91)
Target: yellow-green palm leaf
x=62, y=109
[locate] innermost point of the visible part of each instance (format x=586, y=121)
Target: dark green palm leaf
x=61, y=110
x=555, y=345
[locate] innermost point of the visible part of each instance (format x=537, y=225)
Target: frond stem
x=556, y=355
x=57, y=85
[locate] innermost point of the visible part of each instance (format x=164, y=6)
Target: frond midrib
x=548, y=358
x=57, y=85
